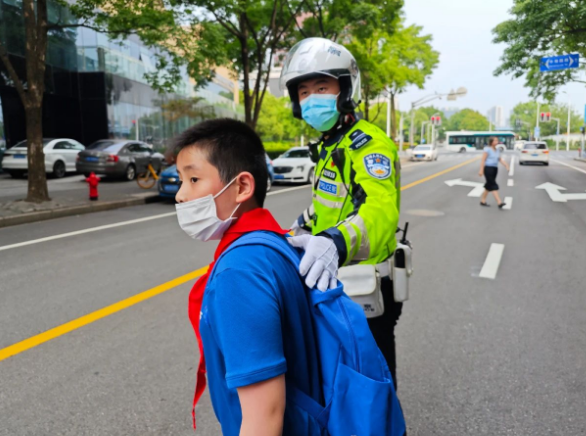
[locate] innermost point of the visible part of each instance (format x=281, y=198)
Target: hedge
x=276, y=148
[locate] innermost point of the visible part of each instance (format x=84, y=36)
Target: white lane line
x=511, y=182
x=90, y=230
x=492, y=262
x=512, y=170
x=120, y=224
x=508, y=203
x=570, y=166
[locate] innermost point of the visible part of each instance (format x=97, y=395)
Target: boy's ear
x=246, y=186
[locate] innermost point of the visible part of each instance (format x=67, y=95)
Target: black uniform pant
x=383, y=327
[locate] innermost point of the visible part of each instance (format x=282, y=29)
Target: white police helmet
x=314, y=57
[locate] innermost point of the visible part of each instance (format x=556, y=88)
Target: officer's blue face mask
x=320, y=111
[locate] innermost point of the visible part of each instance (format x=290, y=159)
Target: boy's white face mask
x=199, y=218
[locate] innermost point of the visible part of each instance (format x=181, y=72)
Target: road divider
x=512, y=167
x=492, y=262
x=508, y=203
x=70, y=326
x=510, y=182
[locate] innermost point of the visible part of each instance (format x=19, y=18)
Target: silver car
x=118, y=158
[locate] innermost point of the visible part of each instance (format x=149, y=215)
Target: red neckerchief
x=256, y=219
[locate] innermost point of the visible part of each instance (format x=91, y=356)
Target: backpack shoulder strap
x=268, y=239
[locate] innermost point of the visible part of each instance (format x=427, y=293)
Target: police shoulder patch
x=359, y=139
x=378, y=166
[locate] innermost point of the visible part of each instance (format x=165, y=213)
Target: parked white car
x=534, y=152
x=295, y=165
x=60, y=155
x=424, y=152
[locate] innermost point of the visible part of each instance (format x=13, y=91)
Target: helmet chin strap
x=347, y=118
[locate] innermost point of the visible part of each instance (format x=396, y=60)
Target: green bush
x=276, y=148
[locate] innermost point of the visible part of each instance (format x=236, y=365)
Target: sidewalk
x=69, y=196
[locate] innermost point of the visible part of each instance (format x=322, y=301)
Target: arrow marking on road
x=476, y=192
x=558, y=197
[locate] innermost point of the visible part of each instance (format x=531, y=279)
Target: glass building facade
x=96, y=87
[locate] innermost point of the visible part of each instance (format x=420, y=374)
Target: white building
x=496, y=116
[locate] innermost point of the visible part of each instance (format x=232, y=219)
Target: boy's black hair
x=232, y=147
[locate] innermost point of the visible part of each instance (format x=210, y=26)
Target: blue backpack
x=359, y=396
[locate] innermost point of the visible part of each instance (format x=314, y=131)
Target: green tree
x=412, y=60
x=537, y=29
x=38, y=30
x=467, y=119
x=276, y=122
x=526, y=113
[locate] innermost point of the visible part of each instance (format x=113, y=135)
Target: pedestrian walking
x=489, y=169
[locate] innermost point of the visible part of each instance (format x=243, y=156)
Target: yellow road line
x=63, y=329
x=441, y=173
x=53, y=333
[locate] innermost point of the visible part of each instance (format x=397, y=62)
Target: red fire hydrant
x=93, y=181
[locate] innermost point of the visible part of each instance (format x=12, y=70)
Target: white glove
x=319, y=264
x=298, y=230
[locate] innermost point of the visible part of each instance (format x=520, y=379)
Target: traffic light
x=542, y=117
x=436, y=120
x=548, y=116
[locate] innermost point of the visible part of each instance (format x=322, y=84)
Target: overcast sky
x=462, y=34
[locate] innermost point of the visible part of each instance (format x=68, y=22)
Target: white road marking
x=511, y=182
x=554, y=193
x=512, y=170
x=120, y=224
x=492, y=262
x=569, y=166
x=476, y=192
x=508, y=203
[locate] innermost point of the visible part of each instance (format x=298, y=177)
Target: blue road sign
x=563, y=62
x=537, y=132
x=584, y=114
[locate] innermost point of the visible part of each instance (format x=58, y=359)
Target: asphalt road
x=476, y=356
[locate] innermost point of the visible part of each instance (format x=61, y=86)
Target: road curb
x=31, y=217
x=580, y=159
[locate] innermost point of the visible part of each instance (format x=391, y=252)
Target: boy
x=253, y=316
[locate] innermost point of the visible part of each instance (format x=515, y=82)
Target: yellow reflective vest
x=356, y=194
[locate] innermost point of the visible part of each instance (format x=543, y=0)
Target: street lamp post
x=568, y=137
x=557, y=134
x=452, y=95
x=423, y=125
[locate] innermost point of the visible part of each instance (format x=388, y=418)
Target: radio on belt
x=402, y=268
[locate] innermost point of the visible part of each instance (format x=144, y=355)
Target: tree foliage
x=527, y=114
x=467, y=119
x=276, y=122
x=542, y=28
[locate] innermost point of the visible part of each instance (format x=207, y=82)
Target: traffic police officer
x=356, y=193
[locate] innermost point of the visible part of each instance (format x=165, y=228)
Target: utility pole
x=557, y=135
x=568, y=141
x=423, y=126
x=452, y=95
x=401, y=134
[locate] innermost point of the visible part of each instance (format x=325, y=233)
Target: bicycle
x=149, y=178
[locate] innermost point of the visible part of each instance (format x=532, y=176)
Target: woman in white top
x=489, y=169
